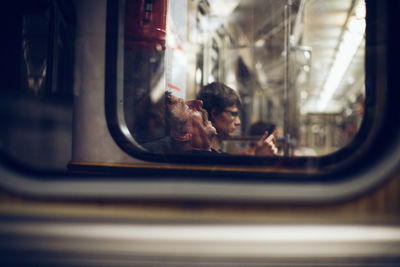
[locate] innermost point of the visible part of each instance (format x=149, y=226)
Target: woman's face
x=226, y=121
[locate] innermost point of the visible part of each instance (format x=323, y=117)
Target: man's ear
x=214, y=112
x=184, y=137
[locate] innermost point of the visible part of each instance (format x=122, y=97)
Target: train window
x=298, y=71
x=319, y=73
x=297, y=65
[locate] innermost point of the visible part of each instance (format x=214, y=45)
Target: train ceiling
x=318, y=30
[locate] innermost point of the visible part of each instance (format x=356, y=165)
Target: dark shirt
x=167, y=145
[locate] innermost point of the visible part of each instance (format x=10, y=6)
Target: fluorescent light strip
x=351, y=40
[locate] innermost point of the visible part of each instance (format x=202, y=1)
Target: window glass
x=297, y=65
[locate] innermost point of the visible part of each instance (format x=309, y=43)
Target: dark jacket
x=167, y=145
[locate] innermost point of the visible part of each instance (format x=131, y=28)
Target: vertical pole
x=287, y=76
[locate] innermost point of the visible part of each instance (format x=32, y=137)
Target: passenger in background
x=223, y=105
x=189, y=128
x=259, y=128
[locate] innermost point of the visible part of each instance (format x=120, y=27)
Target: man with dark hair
x=223, y=105
x=189, y=128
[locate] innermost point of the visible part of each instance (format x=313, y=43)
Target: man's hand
x=266, y=145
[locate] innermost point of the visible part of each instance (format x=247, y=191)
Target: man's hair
x=219, y=96
x=173, y=123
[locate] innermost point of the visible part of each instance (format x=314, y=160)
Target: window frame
x=338, y=161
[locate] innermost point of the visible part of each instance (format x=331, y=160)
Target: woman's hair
x=259, y=128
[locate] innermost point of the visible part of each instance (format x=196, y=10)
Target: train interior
x=82, y=88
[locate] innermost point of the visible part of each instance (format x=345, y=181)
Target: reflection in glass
x=36, y=90
x=35, y=41
x=243, y=45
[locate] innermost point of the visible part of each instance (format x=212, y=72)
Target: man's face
x=226, y=121
x=195, y=120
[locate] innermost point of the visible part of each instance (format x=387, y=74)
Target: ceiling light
x=223, y=8
x=260, y=43
x=350, y=42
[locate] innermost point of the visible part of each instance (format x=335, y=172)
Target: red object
x=145, y=24
x=174, y=87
